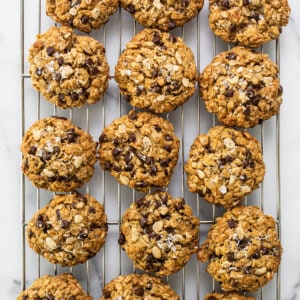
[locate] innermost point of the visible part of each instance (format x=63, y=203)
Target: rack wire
x=191, y=283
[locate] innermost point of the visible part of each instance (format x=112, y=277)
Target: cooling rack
x=192, y=282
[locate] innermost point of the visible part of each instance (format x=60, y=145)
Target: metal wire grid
x=192, y=282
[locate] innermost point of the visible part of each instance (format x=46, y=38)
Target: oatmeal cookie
x=248, y=22
x=69, y=70
x=63, y=286
x=224, y=165
x=159, y=233
x=241, y=87
x=140, y=150
x=156, y=71
x=227, y=296
x=242, y=249
x=164, y=15
x=84, y=15
x=69, y=230
x=135, y=287
x=57, y=155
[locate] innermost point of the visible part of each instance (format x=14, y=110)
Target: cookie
x=227, y=296
x=248, y=22
x=224, y=165
x=134, y=286
x=163, y=15
x=242, y=249
x=84, y=15
x=140, y=150
x=241, y=87
x=69, y=230
x=63, y=286
x=57, y=155
x=159, y=233
x=157, y=71
x=67, y=69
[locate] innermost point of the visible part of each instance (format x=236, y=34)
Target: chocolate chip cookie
x=241, y=87
x=242, y=249
x=69, y=230
x=140, y=150
x=84, y=15
x=157, y=71
x=134, y=286
x=159, y=233
x=161, y=14
x=63, y=286
x=57, y=155
x=227, y=296
x=69, y=70
x=224, y=165
x=248, y=22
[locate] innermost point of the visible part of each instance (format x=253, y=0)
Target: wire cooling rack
x=192, y=282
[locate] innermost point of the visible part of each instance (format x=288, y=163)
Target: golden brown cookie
x=159, y=233
x=57, y=155
x=242, y=249
x=84, y=15
x=248, y=22
x=162, y=14
x=227, y=296
x=135, y=287
x=241, y=87
x=63, y=286
x=69, y=70
x=69, y=230
x=140, y=150
x=224, y=165
x=157, y=71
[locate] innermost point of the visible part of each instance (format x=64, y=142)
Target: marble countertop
x=11, y=134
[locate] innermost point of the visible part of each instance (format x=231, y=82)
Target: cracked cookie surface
x=67, y=69
x=241, y=87
x=227, y=296
x=156, y=71
x=224, y=165
x=159, y=233
x=63, y=286
x=57, y=155
x=84, y=15
x=140, y=150
x=135, y=287
x=248, y=22
x=69, y=230
x=162, y=14
x=242, y=249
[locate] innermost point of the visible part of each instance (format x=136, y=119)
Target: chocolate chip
x=165, y=162
x=50, y=297
x=127, y=98
x=39, y=71
x=89, y=62
x=140, y=202
x=141, y=184
x=149, y=160
x=280, y=90
x=243, y=244
x=173, y=38
x=131, y=137
x=264, y=251
x=153, y=170
x=247, y=111
x=228, y=158
x=94, y=71
x=128, y=157
x=155, y=73
x=74, y=96
x=106, y=294
x=230, y=256
x=229, y=93
x=225, y=3
x=65, y=224
x=185, y=3
x=30, y=233
x=246, y=2
x=107, y=165
x=72, y=298
x=156, y=89
x=32, y=150
x=117, y=168
x=231, y=55
x=179, y=206
x=163, y=47
x=121, y=239
x=60, y=60
x=211, y=298
x=157, y=128
x=231, y=223
x=171, y=25
x=156, y=38
x=256, y=255
x=61, y=97
x=168, y=138
x=232, y=28
x=57, y=76
x=50, y=51
x=85, y=19
x=143, y=222
x=82, y=236
x=24, y=297
x=149, y=285
x=139, y=91
x=255, y=16
x=139, y=291
x=58, y=214
x=132, y=115
x=130, y=8
x=243, y=177
x=255, y=100
x=102, y=138
x=129, y=167
x=168, y=148
x=116, y=151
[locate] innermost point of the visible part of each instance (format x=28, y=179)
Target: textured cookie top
x=67, y=69
x=241, y=87
x=84, y=15
x=248, y=22
x=159, y=233
x=63, y=286
x=242, y=249
x=57, y=155
x=69, y=230
x=162, y=14
x=140, y=150
x=135, y=287
x=224, y=165
x=227, y=296
x=156, y=71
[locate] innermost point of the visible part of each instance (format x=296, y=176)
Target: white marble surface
x=10, y=136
